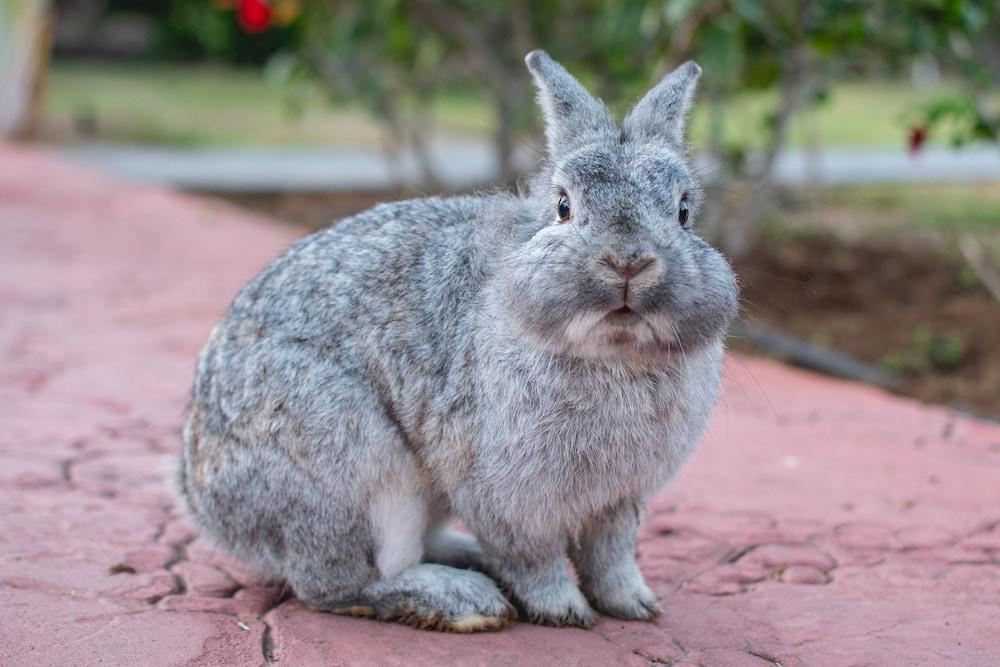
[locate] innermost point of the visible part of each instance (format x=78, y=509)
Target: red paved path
x=820, y=523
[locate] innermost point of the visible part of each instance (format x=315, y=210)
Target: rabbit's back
x=387, y=263
x=393, y=281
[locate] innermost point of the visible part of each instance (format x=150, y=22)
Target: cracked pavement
x=820, y=522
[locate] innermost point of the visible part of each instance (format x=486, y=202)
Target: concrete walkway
x=820, y=523
x=462, y=165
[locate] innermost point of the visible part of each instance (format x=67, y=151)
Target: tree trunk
x=25, y=36
x=711, y=218
x=741, y=229
x=507, y=103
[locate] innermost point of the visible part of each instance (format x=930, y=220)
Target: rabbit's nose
x=628, y=269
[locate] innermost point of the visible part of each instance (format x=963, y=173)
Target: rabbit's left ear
x=662, y=113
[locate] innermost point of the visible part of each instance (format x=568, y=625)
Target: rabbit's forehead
x=611, y=175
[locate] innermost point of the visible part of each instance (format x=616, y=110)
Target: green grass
x=187, y=104
x=855, y=114
x=940, y=213
x=949, y=208
x=211, y=105
x=965, y=208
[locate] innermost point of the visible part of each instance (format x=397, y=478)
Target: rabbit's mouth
x=621, y=333
x=623, y=317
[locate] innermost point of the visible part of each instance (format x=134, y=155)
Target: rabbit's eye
x=682, y=211
x=562, y=209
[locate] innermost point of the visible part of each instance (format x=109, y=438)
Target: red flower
x=254, y=15
x=918, y=135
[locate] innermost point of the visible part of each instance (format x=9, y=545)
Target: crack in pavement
x=267, y=646
x=769, y=659
x=651, y=659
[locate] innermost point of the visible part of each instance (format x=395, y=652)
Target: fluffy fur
x=471, y=357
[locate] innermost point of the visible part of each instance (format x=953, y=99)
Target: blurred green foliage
x=402, y=53
x=397, y=58
x=965, y=115
x=928, y=352
x=193, y=30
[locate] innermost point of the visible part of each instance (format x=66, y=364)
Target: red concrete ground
x=820, y=523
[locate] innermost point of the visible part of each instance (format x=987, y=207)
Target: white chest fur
x=563, y=447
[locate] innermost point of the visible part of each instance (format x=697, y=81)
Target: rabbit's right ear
x=572, y=115
x=662, y=113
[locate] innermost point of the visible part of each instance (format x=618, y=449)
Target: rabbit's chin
x=621, y=336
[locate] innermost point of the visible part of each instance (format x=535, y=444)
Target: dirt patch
x=912, y=307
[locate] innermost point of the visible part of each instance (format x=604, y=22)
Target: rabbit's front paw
x=634, y=602
x=559, y=605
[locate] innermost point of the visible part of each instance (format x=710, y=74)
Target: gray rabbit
x=535, y=366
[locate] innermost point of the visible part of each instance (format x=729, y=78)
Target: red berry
x=918, y=135
x=254, y=15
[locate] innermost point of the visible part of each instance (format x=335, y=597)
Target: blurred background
x=849, y=148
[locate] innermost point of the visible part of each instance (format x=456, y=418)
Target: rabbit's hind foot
x=432, y=597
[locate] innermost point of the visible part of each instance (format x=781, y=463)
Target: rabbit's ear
x=572, y=115
x=662, y=113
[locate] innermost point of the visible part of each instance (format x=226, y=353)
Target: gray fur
x=441, y=358
x=662, y=113
x=573, y=117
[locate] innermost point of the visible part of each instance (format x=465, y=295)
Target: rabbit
x=535, y=366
